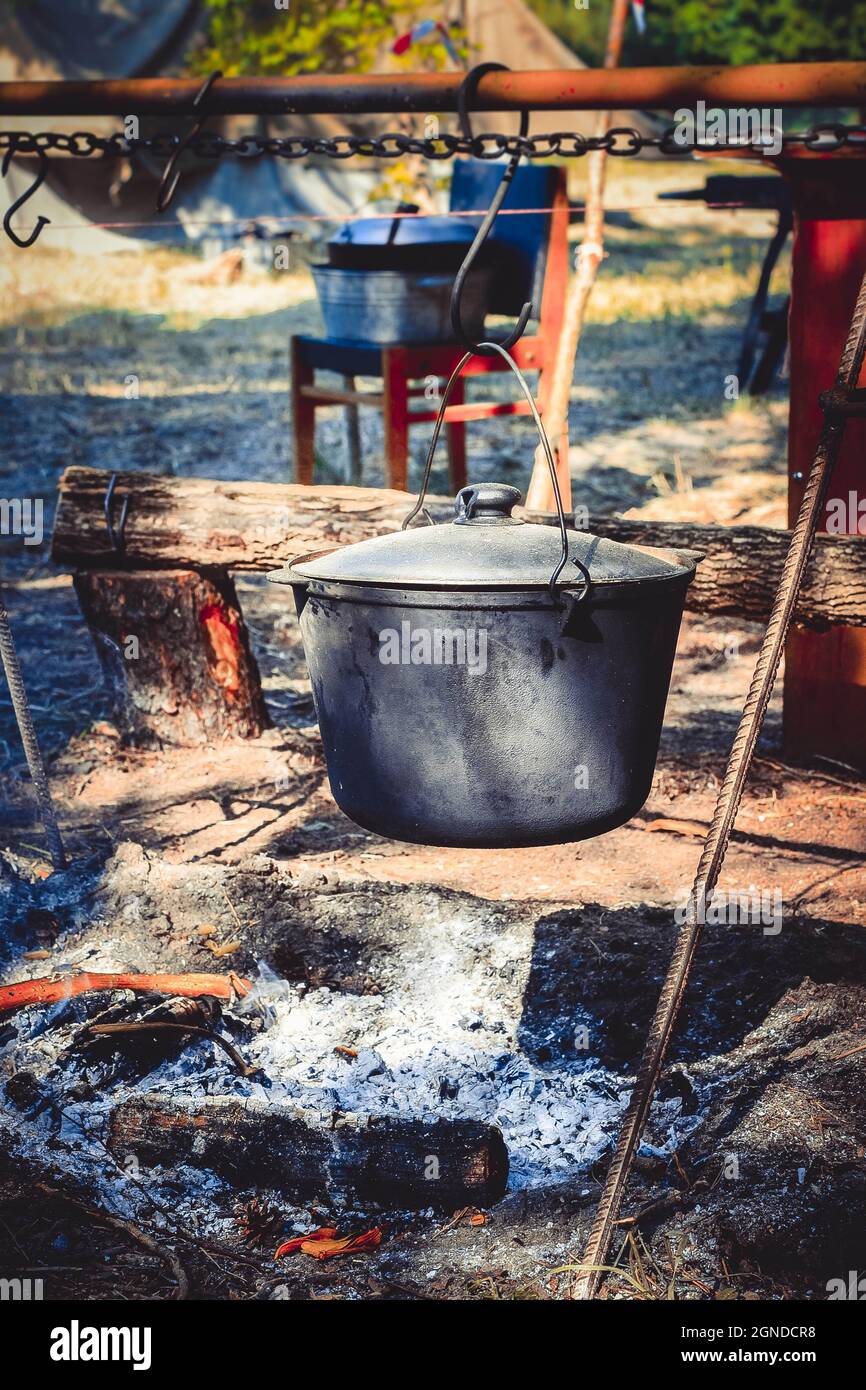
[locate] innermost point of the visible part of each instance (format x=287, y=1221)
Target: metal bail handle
x=548, y=453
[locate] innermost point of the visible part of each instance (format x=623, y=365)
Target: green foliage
x=717, y=31
x=255, y=38
x=749, y=31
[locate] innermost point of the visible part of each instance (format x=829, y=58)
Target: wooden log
x=743, y=565
x=193, y=523
x=256, y=526
x=392, y=1162
x=176, y=655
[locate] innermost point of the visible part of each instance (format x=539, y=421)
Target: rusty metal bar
x=762, y=84
x=835, y=402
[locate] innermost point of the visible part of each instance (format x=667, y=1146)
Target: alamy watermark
x=755, y=907
x=436, y=646
x=846, y=516
x=738, y=125
x=77, y=1343
x=22, y=516
x=21, y=1290
x=852, y=1289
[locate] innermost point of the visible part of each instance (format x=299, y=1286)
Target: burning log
x=370, y=1159
x=53, y=989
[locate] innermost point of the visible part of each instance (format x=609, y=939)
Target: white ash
x=441, y=1038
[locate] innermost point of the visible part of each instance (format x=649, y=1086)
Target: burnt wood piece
x=257, y=526
x=370, y=1159
x=176, y=655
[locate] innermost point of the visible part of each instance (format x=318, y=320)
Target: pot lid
x=486, y=547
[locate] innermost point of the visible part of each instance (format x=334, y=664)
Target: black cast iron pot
x=461, y=702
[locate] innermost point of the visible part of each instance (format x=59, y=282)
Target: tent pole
x=590, y=89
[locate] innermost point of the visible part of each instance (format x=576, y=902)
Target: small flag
x=425, y=29
x=638, y=9
x=448, y=45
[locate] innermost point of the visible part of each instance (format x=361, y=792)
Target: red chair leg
x=396, y=416
x=303, y=416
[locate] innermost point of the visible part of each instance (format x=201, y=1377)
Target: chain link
x=619, y=142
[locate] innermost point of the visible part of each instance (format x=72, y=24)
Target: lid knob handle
x=487, y=503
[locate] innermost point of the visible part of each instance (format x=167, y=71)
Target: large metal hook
x=28, y=193
x=467, y=90
x=171, y=173
x=117, y=538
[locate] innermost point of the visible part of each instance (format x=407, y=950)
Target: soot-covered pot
x=463, y=702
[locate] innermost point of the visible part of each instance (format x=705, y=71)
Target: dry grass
x=643, y=279
x=650, y=425
x=43, y=287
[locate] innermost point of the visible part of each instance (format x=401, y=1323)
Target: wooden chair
x=538, y=256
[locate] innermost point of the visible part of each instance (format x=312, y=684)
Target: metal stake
x=27, y=730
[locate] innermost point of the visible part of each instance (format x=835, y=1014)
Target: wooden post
x=589, y=257
x=395, y=414
x=303, y=415
x=457, y=442
x=825, y=672
x=176, y=655
x=353, y=435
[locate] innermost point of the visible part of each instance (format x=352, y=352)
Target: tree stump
x=176, y=655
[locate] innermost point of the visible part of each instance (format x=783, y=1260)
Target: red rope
x=367, y=216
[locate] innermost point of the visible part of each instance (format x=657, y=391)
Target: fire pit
x=422, y=1006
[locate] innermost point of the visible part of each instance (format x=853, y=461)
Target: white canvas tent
x=509, y=32
x=93, y=39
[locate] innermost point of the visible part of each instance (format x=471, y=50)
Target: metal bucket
x=390, y=306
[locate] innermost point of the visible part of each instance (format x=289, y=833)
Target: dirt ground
x=752, y=1180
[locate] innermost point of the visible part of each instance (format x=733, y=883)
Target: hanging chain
x=619, y=141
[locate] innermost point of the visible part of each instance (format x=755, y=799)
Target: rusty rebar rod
x=27, y=729
x=838, y=404
x=762, y=84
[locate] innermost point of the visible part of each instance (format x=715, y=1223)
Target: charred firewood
x=128, y=1042
x=162, y=1032
x=392, y=1162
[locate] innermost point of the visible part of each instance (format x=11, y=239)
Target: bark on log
x=194, y=523
x=743, y=565
x=176, y=655
x=388, y=1161
x=256, y=526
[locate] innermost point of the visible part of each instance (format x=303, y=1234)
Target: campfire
x=413, y=884
x=403, y=1062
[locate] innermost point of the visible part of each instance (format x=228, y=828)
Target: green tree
x=718, y=31
x=746, y=31
x=255, y=38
